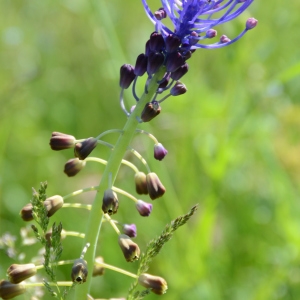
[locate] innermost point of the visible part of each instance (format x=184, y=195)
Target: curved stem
x=113, y=165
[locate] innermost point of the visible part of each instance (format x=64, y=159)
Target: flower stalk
x=96, y=216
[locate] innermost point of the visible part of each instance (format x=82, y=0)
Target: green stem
x=112, y=167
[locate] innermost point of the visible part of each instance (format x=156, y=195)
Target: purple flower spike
x=130, y=230
x=160, y=151
x=144, y=208
x=197, y=16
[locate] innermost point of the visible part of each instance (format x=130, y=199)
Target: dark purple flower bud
x=172, y=43
x=126, y=76
x=98, y=267
x=141, y=65
x=181, y=71
x=144, y=208
x=83, y=149
x=251, y=23
x=155, y=61
x=159, y=151
x=9, y=290
x=79, y=271
x=61, y=141
x=165, y=81
x=147, y=48
x=130, y=230
x=155, y=187
x=130, y=249
x=160, y=14
x=211, y=33
x=151, y=110
x=73, y=166
x=157, y=42
x=224, y=39
x=178, y=89
x=17, y=273
x=174, y=61
x=140, y=183
x=110, y=202
x=157, y=284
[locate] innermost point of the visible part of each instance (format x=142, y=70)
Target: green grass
x=233, y=142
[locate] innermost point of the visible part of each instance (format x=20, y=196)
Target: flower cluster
x=194, y=22
x=165, y=63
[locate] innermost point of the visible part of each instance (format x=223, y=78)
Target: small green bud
x=130, y=249
x=110, y=202
x=9, y=290
x=141, y=183
x=157, y=284
x=155, y=187
x=17, y=273
x=83, y=149
x=79, y=271
x=73, y=166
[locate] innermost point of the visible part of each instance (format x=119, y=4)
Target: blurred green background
x=233, y=142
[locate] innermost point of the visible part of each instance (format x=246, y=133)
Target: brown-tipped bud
x=98, y=267
x=151, y=110
x=157, y=284
x=83, y=149
x=79, y=271
x=17, y=273
x=9, y=290
x=155, y=187
x=73, y=166
x=110, y=202
x=48, y=236
x=61, y=141
x=53, y=204
x=26, y=213
x=140, y=183
x=130, y=249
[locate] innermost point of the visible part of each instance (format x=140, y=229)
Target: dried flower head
x=79, y=271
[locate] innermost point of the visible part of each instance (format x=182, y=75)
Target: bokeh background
x=233, y=142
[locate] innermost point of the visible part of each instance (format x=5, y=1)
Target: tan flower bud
x=17, y=273
x=130, y=249
x=9, y=290
x=157, y=284
x=155, y=187
x=110, y=202
x=98, y=268
x=79, y=271
x=73, y=166
x=26, y=213
x=53, y=204
x=140, y=183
